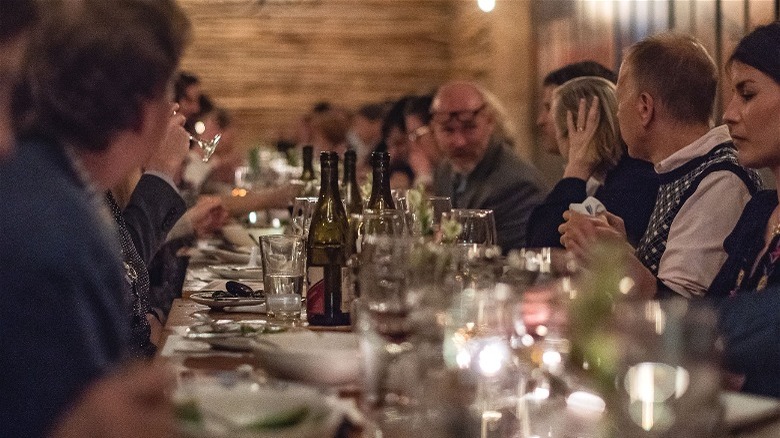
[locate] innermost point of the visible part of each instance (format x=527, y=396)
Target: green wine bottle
x=381, y=198
x=353, y=203
x=327, y=299
x=308, y=163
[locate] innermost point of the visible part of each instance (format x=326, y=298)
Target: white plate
x=745, y=409
x=239, y=235
x=331, y=358
x=227, y=405
x=241, y=257
x=237, y=272
x=205, y=298
x=225, y=328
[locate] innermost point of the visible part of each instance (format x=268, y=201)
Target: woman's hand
x=581, y=163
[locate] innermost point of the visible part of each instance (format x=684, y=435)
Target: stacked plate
x=331, y=358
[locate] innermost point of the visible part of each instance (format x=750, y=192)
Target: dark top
x=501, y=182
x=136, y=287
x=629, y=192
x=749, y=304
x=62, y=317
x=153, y=209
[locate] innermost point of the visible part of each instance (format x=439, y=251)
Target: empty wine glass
x=207, y=146
x=440, y=205
x=477, y=226
x=303, y=207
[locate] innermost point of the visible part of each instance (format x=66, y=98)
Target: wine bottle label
x=315, y=294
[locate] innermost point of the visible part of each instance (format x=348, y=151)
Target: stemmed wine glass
x=207, y=146
x=478, y=226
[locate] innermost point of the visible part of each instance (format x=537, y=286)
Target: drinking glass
x=383, y=222
x=440, y=205
x=477, y=226
x=284, y=263
x=303, y=207
x=207, y=146
x=385, y=330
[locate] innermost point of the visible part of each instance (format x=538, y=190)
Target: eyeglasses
x=419, y=132
x=464, y=116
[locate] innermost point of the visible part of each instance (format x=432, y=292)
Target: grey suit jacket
x=501, y=182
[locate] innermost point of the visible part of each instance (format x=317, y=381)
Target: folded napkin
x=591, y=206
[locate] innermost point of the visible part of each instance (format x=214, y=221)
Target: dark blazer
x=63, y=321
x=153, y=209
x=629, y=191
x=501, y=182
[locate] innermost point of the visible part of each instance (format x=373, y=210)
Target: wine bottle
x=381, y=198
x=307, y=175
x=327, y=300
x=308, y=163
x=353, y=203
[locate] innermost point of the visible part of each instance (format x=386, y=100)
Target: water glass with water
x=284, y=264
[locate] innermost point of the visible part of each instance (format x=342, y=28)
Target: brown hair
x=333, y=124
x=606, y=145
x=92, y=64
x=677, y=70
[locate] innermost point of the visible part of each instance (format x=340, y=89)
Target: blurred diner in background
x=442, y=218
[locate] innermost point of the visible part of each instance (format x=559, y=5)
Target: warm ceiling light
x=486, y=5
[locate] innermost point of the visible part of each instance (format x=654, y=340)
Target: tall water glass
x=284, y=263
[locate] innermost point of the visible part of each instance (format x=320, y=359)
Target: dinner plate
x=241, y=255
x=237, y=272
x=219, y=303
x=225, y=328
x=225, y=406
x=331, y=358
x=746, y=409
x=238, y=234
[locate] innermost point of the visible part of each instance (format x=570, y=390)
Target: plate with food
x=220, y=406
x=226, y=328
x=222, y=299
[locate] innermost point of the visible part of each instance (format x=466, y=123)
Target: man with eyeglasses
x=480, y=169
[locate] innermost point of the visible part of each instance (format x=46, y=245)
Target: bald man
x=481, y=169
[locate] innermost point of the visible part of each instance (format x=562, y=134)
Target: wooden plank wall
x=269, y=63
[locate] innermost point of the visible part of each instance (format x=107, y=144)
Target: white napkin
x=591, y=206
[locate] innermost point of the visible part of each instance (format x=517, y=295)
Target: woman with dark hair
x=395, y=141
x=747, y=288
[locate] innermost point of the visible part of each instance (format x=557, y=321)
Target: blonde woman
x=588, y=137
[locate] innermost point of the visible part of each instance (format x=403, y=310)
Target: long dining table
x=183, y=314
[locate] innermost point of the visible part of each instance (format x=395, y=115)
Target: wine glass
x=440, y=205
x=477, y=226
x=303, y=207
x=207, y=146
